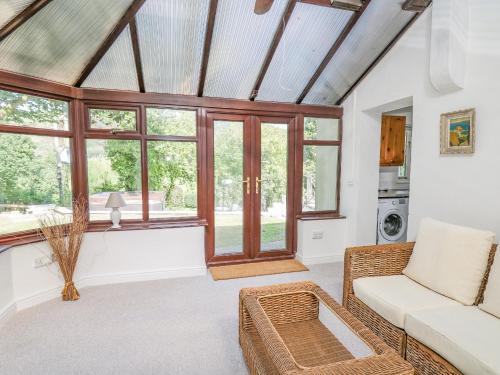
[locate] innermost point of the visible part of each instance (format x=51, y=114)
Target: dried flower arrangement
x=65, y=239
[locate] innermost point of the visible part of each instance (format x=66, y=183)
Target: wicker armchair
x=386, y=260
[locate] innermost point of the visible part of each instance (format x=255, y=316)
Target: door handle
x=247, y=181
x=257, y=182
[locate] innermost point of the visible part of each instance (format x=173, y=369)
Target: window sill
x=319, y=216
x=17, y=239
x=106, y=226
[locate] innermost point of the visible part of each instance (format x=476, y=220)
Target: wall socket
x=317, y=235
x=43, y=261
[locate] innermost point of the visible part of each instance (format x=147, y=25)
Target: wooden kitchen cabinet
x=392, y=143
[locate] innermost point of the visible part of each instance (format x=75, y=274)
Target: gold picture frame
x=458, y=132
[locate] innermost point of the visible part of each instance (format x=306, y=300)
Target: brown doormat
x=238, y=271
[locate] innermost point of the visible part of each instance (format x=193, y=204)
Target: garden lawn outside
x=229, y=232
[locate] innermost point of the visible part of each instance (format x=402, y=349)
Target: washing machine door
x=392, y=226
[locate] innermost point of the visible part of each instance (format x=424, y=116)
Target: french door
x=250, y=191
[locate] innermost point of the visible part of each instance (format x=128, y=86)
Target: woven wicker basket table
x=298, y=328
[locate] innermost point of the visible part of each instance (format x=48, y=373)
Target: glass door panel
x=273, y=185
x=229, y=187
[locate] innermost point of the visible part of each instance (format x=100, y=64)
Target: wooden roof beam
x=353, y=5
x=22, y=17
x=108, y=42
x=272, y=49
x=333, y=50
x=209, y=32
x=137, y=54
x=416, y=5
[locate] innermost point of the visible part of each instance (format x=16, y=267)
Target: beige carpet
x=186, y=326
x=239, y=271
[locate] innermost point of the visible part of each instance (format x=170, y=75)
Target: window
x=320, y=165
x=324, y=129
x=165, y=146
x=112, y=119
x=114, y=166
x=166, y=121
x=35, y=170
x=32, y=111
x=172, y=179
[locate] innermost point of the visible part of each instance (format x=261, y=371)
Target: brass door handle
x=247, y=181
x=257, y=182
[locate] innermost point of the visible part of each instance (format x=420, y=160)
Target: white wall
x=6, y=286
x=329, y=248
x=105, y=257
x=460, y=189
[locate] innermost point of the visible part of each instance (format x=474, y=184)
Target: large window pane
x=113, y=119
x=228, y=178
x=274, y=185
x=319, y=185
x=35, y=179
x=166, y=121
x=114, y=166
x=172, y=179
x=322, y=129
x=32, y=111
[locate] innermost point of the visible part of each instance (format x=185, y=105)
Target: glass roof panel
x=58, y=41
x=309, y=35
x=116, y=70
x=240, y=42
x=171, y=36
x=379, y=24
x=11, y=8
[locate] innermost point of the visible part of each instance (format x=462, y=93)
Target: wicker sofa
x=391, y=260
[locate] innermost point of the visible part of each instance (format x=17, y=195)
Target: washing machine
x=392, y=221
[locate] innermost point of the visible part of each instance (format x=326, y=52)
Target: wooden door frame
x=251, y=166
x=210, y=256
x=256, y=253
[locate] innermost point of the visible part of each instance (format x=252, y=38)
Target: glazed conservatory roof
x=299, y=51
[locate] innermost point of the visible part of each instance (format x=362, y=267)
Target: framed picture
x=458, y=132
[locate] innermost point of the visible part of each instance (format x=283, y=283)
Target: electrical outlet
x=43, y=261
x=317, y=235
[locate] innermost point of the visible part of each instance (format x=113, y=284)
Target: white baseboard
x=117, y=278
x=38, y=298
x=105, y=279
x=7, y=312
x=320, y=259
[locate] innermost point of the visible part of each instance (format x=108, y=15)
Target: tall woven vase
x=65, y=239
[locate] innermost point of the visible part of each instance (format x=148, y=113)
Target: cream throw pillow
x=450, y=259
x=491, y=303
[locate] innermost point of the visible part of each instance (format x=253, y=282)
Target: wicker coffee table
x=298, y=328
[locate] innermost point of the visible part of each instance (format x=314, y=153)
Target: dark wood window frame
x=80, y=100
x=33, y=235
x=142, y=136
x=301, y=142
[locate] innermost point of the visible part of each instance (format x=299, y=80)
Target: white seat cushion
x=464, y=335
x=491, y=301
x=450, y=259
x=392, y=297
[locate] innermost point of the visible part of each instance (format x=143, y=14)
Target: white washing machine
x=392, y=220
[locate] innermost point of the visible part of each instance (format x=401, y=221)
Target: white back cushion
x=491, y=303
x=450, y=259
